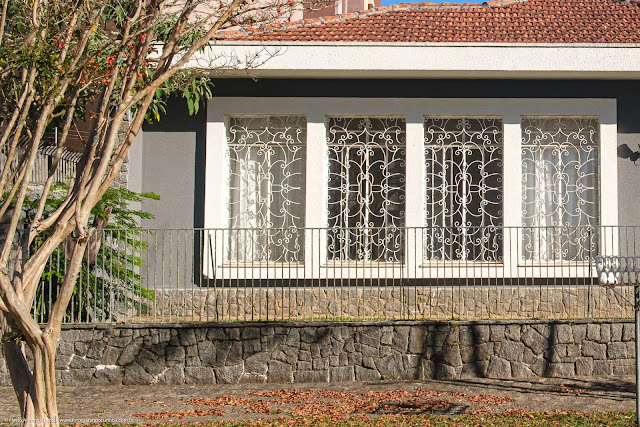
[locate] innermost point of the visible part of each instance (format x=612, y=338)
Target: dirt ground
x=184, y=403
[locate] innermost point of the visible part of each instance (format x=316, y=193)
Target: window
x=463, y=189
x=366, y=206
x=560, y=196
x=267, y=160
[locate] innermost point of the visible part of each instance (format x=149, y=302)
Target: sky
x=388, y=2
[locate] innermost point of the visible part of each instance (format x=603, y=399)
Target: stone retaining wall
x=400, y=302
x=328, y=352
x=393, y=302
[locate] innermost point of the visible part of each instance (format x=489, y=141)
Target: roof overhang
x=421, y=60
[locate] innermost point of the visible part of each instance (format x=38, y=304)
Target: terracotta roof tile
x=497, y=21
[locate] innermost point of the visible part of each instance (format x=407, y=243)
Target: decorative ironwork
x=366, y=206
x=463, y=189
x=267, y=161
x=560, y=187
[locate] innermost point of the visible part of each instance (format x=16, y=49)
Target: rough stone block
x=628, y=332
x=605, y=333
x=63, y=361
x=556, y=353
x=364, y=374
x=584, y=367
x=250, y=333
x=129, y=353
x=417, y=336
x=617, y=350
x=561, y=370
x=624, y=367
x=135, y=374
x=400, y=339
x=311, y=376
x=602, y=368
x=229, y=374
x=368, y=362
x=369, y=351
x=512, y=332
x=446, y=372
x=150, y=362
x=536, y=342
x=481, y=333
x=65, y=349
x=279, y=372
x=498, y=368
x=474, y=370
x=257, y=364
x=304, y=366
x=107, y=375
x=342, y=374
x=187, y=337
x=512, y=351
x=199, y=375
x=520, y=370
x=593, y=349
x=573, y=350
x=207, y=353
x=616, y=332
x=579, y=333
x=497, y=333
x=391, y=368
x=563, y=334
x=251, y=346
x=172, y=375
x=175, y=354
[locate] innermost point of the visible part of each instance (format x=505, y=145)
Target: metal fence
x=344, y=274
x=43, y=163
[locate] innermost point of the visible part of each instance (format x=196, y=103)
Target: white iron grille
x=560, y=187
x=366, y=206
x=463, y=189
x=267, y=161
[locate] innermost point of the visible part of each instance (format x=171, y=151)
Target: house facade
x=495, y=141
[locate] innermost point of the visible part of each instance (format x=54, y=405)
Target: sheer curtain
x=266, y=203
x=560, y=193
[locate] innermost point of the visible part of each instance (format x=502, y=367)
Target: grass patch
x=510, y=417
x=515, y=418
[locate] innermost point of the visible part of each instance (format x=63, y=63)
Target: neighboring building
x=341, y=7
x=411, y=135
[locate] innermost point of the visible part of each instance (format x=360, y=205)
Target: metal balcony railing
x=344, y=274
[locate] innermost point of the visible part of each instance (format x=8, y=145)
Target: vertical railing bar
x=95, y=276
x=266, y=294
x=198, y=272
x=111, y=280
x=213, y=253
x=144, y=268
x=252, y=260
x=49, y=302
x=188, y=275
x=321, y=270
x=162, y=260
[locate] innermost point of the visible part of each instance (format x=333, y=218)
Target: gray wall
x=171, y=150
x=174, y=149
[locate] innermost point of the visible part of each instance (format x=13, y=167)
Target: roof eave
x=352, y=60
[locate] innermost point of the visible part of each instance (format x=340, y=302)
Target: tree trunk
x=35, y=389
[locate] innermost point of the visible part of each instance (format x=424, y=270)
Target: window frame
x=426, y=260
x=414, y=110
x=348, y=148
x=231, y=147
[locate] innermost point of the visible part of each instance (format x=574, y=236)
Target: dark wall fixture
x=624, y=152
